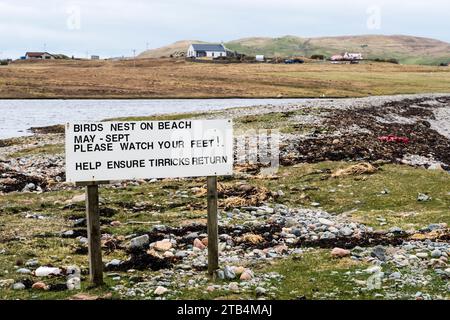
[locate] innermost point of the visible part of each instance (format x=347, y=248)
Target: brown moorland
x=171, y=78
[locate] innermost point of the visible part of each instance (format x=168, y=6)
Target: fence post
x=213, y=231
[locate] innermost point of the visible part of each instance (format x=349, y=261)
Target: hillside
x=407, y=49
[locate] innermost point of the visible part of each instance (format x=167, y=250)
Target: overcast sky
x=116, y=27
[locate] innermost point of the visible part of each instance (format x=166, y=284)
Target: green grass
x=47, y=149
x=362, y=194
x=24, y=238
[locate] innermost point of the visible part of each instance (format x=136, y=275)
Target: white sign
x=127, y=150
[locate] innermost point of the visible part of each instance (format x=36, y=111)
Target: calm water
x=17, y=116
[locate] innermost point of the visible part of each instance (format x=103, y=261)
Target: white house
x=353, y=56
x=206, y=50
x=38, y=55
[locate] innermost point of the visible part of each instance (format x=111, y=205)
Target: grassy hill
x=406, y=49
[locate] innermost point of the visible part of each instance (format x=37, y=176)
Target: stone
x=233, y=286
x=160, y=290
x=6, y=283
x=395, y=276
x=114, y=263
x=39, y=286
x=168, y=254
x=238, y=270
x=373, y=269
x=74, y=283
x=163, y=245
x=229, y=273
x=220, y=274
x=78, y=198
x=260, y=291
x=84, y=297
x=23, y=271
x=340, y=253
x=139, y=242
x=346, y=231
x=198, y=244
x=246, y=275
x=436, y=253
x=326, y=222
x=422, y=255
x=18, y=286
x=32, y=263
x=422, y=197
x=47, y=271
x=379, y=252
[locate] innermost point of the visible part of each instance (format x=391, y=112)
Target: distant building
x=94, y=57
x=337, y=57
x=38, y=55
x=353, y=56
x=259, y=58
x=206, y=50
x=347, y=56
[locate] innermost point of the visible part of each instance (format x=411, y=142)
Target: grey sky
x=116, y=27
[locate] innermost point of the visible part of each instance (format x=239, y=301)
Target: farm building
x=353, y=56
x=38, y=55
x=206, y=50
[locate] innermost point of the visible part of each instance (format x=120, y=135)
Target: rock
x=327, y=235
x=163, y=245
x=436, y=253
x=233, y=286
x=220, y=274
x=78, y=198
x=260, y=291
x=315, y=204
x=395, y=276
x=198, y=244
x=422, y=255
x=29, y=187
x=326, y=222
x=238, y=270
x=422, y=197
x=47, y=271
x=373, y=269
x=168, y=254
x=346, y=231
x=84, y=296
x=114, y=263
x=23, y=271
x=18, y=286
x=160, y=290
x=115, y=223
x=139, y=242
x=32, y=263
x=246, y=275
x=74, y=283
x=396, y=230
x=229, y=273
x=340, y=253
x=6, y=283
x=379, y=252
x=39, y=286
x=210, y=288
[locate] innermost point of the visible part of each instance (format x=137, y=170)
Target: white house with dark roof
x=39, y=55
x=206, y=50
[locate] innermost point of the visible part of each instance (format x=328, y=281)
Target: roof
x=36, y=54
x=208, y=47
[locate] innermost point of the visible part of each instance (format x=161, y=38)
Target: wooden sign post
x=93, y=231
x=212, y=228
x=98, y=152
